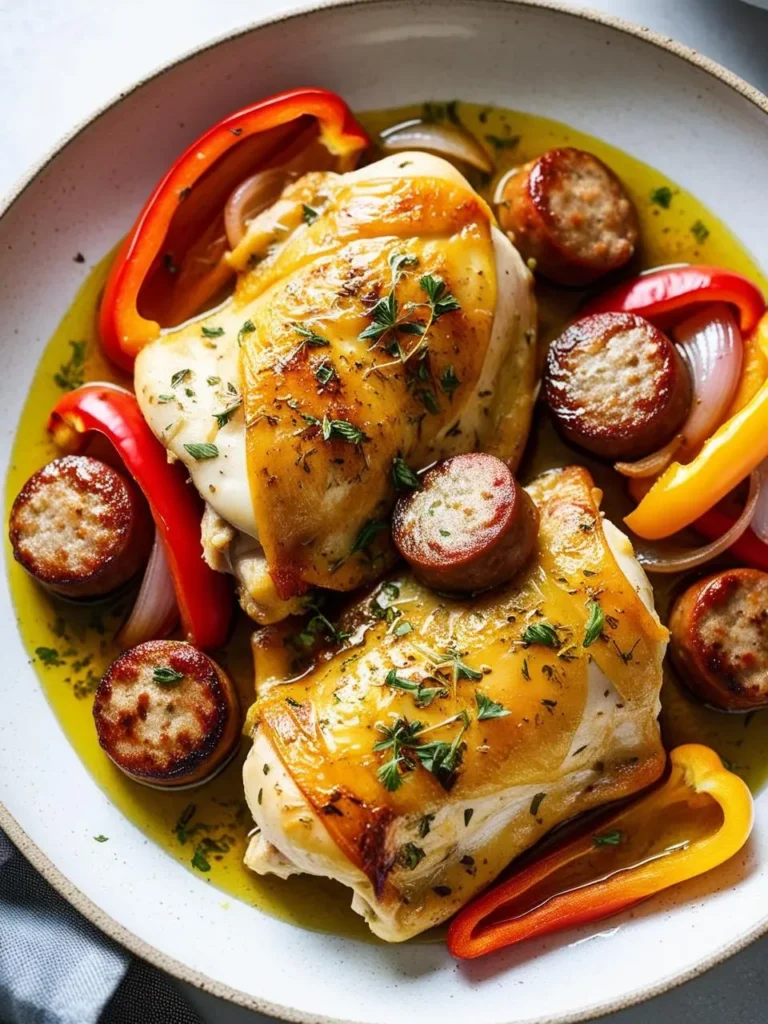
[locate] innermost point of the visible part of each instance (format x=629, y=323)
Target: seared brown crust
x=80, y=527
x=616, y=385
x=569, y=213
x=170, y=733
x=719, y=641
x=471, y=526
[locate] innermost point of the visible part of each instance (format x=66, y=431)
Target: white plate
x=693, y=121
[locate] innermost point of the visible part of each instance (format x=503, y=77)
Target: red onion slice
x=448, y=140
x=655, y=560
x=155, y=612
x=652, y=464
x=759, y=522
x=249, y=198
x=710, y=342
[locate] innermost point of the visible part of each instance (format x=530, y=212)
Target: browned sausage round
x=616, y=385
x=469, y=528
x=569, y=213
x=80, y=528
x=167, y=714
x=719, y=639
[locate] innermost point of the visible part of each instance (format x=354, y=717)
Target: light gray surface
x=60, y=59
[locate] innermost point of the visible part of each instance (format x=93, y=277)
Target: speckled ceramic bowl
x=653, y=98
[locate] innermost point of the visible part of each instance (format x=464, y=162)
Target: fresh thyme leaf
x=202, y=450
x=166, y=676
x=179, y=377
x=440, y=300
x=662, y=196
x=425, y=825
x=384, y=317
x=180, y=828
x=449, y=381
x=367, y=535
x=594, y=624
x=319, y=625
x=101, y=839
x=165, y=399
x=412, y=855
x=71, y=374
x=423, y=695
x=442, y=759
x=324, y=373
x=503, y=141
x=700, y=231
x=389, y=774
x=343, y=430
x=199, y=859
x=612, y=838
x=212, y=332
x=403, y=476
x=487, y=708
x=541, y=633
x=310, y=336
x=536, y=803
x=223, y=417
x=309, y=213
x=248, y=328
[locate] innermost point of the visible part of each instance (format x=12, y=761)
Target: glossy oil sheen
x=82, y=636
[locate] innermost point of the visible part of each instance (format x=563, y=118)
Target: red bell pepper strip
x=660, y=293
x=748, y=548
x=695, y=820
x=278, y=120
x=204, y=596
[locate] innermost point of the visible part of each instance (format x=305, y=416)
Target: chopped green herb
x=223, y=417
x=324, y=373
x=662, y=196
x=612, y=838
x=700, y=231
x=180, y=828
x=403, y=476
x=49, y=656
x=166, y=676
x=449, y=381
x=199, y=859
x=468, y=812
x=101, y=839
x=526, y=673
x=309, y=214
x=71, y=374
x=202, y=451
x=213, y=381
x=413, y=855
x=248, y=328
x=423, y=695
x=541, y=633
x=179, y=377
x=343, y=430
x=293, y=703
x=165, y=399
x=212, y=332
x=440, y=300
x=430, y=401
x=310, y=336
x=367, y=535
x=536, y=803
x=595, y=622
x=425, y=825
x=487, y=708
x=403, y=628
x=503, y=141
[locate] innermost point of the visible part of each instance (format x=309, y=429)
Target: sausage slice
x=616, y=385
x=469, y=528
x=167, y=714
x=80, y=527
x=719, y=639
x=569, y=213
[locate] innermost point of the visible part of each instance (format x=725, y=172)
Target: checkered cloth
x=57, y=968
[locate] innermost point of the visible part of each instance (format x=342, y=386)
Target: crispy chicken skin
x=581, y=728
x=286, y=357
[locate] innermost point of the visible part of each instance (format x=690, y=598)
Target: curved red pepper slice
x=204, y=596
x=124, y=331
x=660, y=293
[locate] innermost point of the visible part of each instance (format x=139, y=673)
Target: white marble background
x=61, y=59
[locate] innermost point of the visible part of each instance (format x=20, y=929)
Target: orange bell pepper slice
x=180, y=229
x=692, y=822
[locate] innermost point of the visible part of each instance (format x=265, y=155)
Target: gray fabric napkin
x=57, y=968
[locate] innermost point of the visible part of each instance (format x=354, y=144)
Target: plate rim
x=107, y=924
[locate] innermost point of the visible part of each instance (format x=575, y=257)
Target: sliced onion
x=680, y=561
x=653, y=464
x=710, y=342
x=448, y=140
x=759, y=522
x=249, y=198
x=155, y=612
x=501, y=184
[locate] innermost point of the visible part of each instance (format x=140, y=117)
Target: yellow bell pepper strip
x=684, y=492
x=692, y=822
x=754, y=367
x=174, y=253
